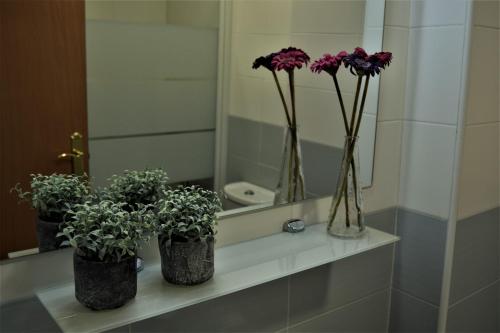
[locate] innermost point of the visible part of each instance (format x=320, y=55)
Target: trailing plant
x=188, y=213
x=137, y=187
x=105, y=231
x=54, y=195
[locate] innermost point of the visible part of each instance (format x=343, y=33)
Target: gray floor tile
x=475, y=262
x=419, y=260
x=327, y=287
x=409, y=314
x=478, y=313
x=26, y=316
x=258, y=309
x=366, y=315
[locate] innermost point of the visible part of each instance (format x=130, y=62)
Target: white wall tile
x=272, y=111
x=434, y=75
x=256, y=16
x=478, y=183
x=437, y=12
x=484, y=87
x=367, y=147
x=316, y=46
x=385, y=188
x=133, y=51
x=248, y=47
x=393, y=79
x=194, y=13
x=245, y=101
x=325, y=16
x=319, y=116
x=426, y=169
x=139, y=107
x=135, y=11
x=486, y=13
x=397, y=13
x=184, y=156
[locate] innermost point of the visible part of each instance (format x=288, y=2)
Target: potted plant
x=185, y=221
x=138, y=187
x=106, y=238
x=52, y=196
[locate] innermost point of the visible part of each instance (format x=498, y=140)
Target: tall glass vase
x=291, y=184
x=346, y=214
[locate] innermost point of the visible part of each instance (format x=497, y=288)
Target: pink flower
x=329, y=63
x=289, y=59
x=361, y=63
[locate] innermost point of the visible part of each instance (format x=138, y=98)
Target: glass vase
x=346, y=218
x=291, y=184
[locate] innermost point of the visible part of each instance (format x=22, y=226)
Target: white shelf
x=237, y=267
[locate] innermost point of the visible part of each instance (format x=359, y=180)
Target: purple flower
x=289, y=59
x=360, y=63
x=265, y=61
x=329, y=63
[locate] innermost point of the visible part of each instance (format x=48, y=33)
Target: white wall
x=479, y=182
x=151, y=93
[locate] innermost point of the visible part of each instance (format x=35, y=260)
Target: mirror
x=171, y=85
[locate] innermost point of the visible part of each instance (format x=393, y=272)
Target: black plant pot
x=46, y=232
x=186, y=262
x=104, y=285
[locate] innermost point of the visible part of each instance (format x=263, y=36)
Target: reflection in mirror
x=170, y=85
x=152, y=92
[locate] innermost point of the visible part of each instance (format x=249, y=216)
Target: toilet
x=242, y=194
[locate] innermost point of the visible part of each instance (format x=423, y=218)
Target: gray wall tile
x=260, y=146
x=409, y=314
x=26, y=316
x=476, y=255
x=244, y=138
x=258, y=309
x=366, y=315
x=418, y=266
x=384, y=220
x=271, y=149
x=321, y=167
x=327, y=287
x=478, y=313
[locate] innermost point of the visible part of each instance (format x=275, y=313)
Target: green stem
x=282, y=96
x=355, y=105
x=342, y=107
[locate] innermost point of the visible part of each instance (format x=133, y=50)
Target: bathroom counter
x=237, y=267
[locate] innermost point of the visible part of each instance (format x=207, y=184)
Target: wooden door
x=42, y=101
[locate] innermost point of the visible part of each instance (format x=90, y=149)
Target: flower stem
x=355, y=105
x=282, y=96
x=342, y=107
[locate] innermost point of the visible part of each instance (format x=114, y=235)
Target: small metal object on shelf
x=294, y=225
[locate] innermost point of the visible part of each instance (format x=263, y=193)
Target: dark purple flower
x=289, y=59
x=360, y=63
x=329, y=63
x=265, y=61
